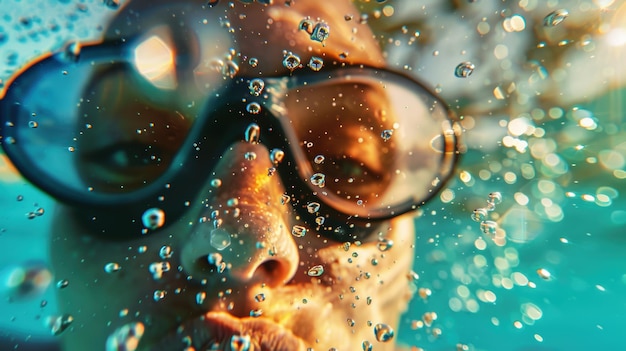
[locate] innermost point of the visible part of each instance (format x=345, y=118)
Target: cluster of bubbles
x=318, y=31
x=488, y=227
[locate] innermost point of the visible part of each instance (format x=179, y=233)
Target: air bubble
x=306, y=25
x=284, y=199
x=240, y=343
x=71, y=51
x=230, y=69
x=252, y=133
x=384, y=244
x=200, y=297
x=220, y=239
x=383, y=332
x=319, y=159
x=316, y=63
x=165, y=252
x=386, y=134
x=313, y=207
x=479, y=215
x=489, y=227
x=253, y=61
x=259, y=297
x=256, y=86
x=216, y=183
x=320, y=32
x=253, y=108
x=126, y=337
x=555, y=18
x=112, y=267
x=367, y=346
x=159, y=295
x=494, y=198
x=61, y=323
x=250, y=155
x=63, y=283
x=158, y=268
x=298, y=231
x=33, y=124
x=315, y=271
x=318, y=179
x=153, y=218
x=255, y=313
x=291, y=61
x=276, y=156
x=464, y=69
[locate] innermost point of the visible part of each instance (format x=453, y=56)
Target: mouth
x=220, y=331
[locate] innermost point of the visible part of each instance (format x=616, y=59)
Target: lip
x=216, y=330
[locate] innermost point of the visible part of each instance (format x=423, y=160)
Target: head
x=239, y=247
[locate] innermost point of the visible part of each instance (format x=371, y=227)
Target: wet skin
x=361, y=285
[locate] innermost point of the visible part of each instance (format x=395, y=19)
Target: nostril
x=272, y=272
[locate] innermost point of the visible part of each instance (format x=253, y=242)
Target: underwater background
x=524, y=248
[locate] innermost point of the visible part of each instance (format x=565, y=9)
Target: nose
x=243, y=231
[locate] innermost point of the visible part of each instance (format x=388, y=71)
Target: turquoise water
x=557, y=159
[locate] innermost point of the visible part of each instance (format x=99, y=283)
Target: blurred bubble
x=27, y=280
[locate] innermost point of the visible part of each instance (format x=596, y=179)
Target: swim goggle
x=100, y=130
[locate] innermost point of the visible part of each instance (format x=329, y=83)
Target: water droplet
x=232, y=202
x=112, y=267
x=250, y=155
x=63, y=283
x=346, y=246
x=351, y=322
x=256, y=86
x=216, y=183
x=320, y=32
x=320, y=220
x=9, y=140
x=318, y=179
x=315, y=271
x=153, y=218
x=252, y=133
x=318, y=159
x=383, y=332
x=112, y=4
x=386, y=134
x=479, y=214
x=33, y=124
x=555, y=18
x=284, y=199
x=159, y=295
x=220, y=239
x=298, y=231
x=276, y=156
x=240, y=343
x=165, y=252
x=367, y=346
x=253, y=108
x=384, y=244
x=313, y=207
x=316, y=63
x=291, y=61
x=464, y=69
x=126, y=337
x=200, y=297
x=253, y=61
x=494, y=198
x=259, y=297
x=306, y=25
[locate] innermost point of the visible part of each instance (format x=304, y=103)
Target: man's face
x=230, y=267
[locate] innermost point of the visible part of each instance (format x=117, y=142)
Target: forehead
x=202, y=33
